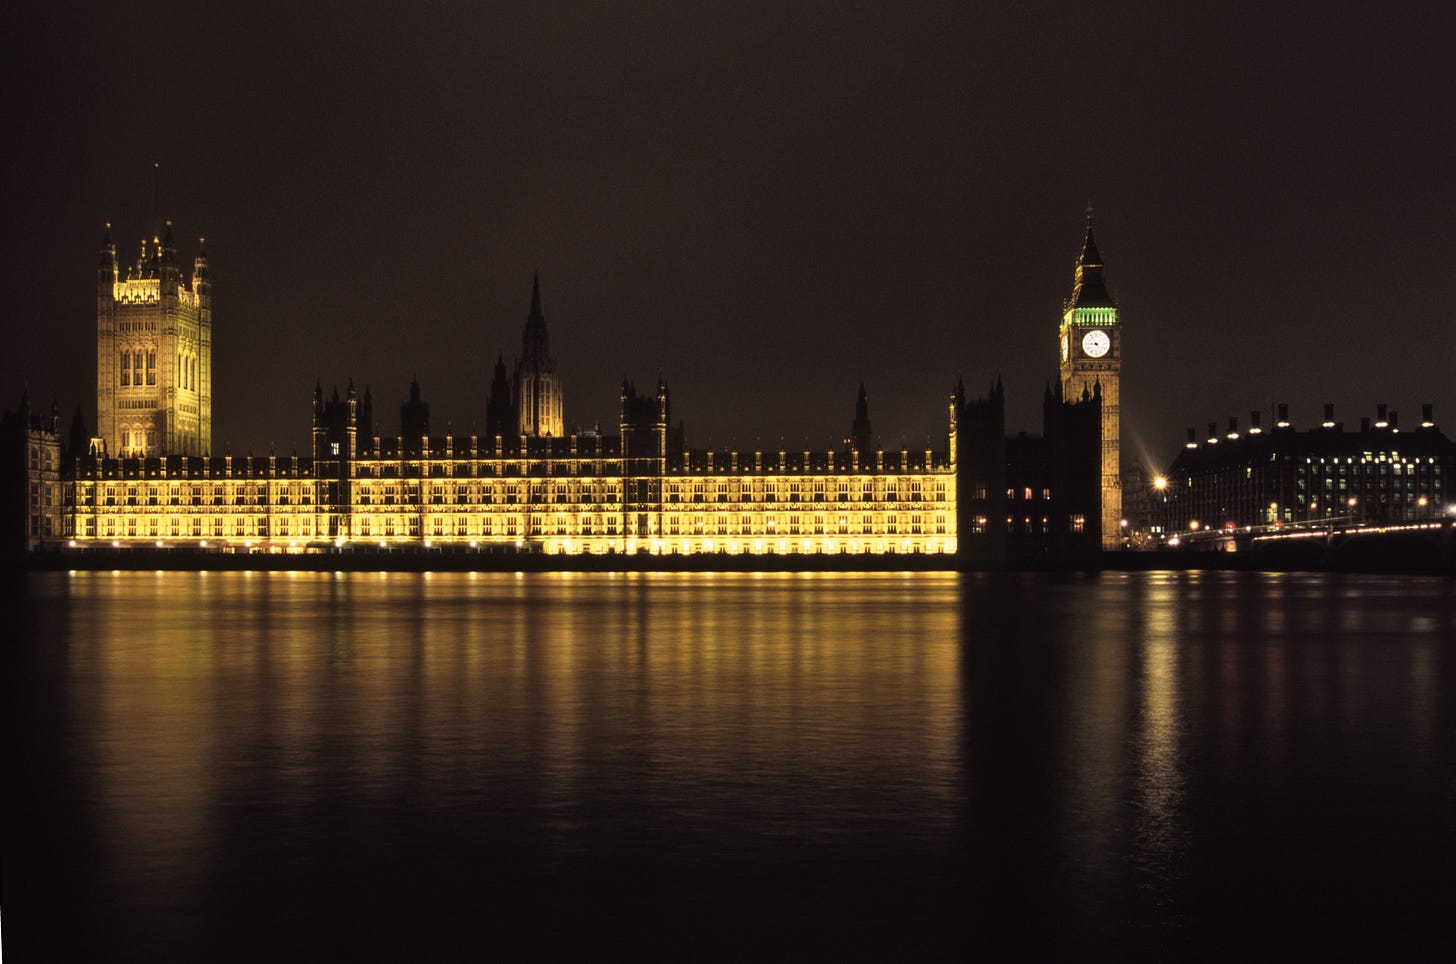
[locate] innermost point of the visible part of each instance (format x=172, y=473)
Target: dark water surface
x=206, y=766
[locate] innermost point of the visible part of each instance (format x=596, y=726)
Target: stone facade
x=153, y=352
x=1091, y=353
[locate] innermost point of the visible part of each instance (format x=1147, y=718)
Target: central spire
x=536, y=390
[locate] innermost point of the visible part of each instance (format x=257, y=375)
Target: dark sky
x=765, y=202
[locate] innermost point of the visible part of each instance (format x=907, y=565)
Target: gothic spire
x=1089, y=256
x=1089, y=287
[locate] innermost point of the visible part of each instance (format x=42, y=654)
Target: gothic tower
x=153, y=352
x=1091, y=342
x=537, y=389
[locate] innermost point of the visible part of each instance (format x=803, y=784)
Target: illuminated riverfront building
x=530, y=485
x=153, y=352
x=1380, y=474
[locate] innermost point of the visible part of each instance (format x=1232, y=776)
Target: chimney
x=1365, y=423
x=1329, y=421
x=1380, y=420
x=1192, y=443
x=1427, y=419
x=1283, y=416
x=1233, y=431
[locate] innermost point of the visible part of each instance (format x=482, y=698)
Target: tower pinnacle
x=1089, y=287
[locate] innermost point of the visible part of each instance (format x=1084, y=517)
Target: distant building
x=1256, y=477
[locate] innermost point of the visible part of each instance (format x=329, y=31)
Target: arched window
x=151, y=368
x=126, y=368
x=136, y=368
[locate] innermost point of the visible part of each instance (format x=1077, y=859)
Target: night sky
x=767, y=203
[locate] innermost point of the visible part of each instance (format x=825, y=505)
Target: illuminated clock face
x=1064, y=346
x=1095, y=343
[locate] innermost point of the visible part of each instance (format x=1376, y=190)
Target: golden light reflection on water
x=1076, y=748
x=203, y=692
x=1161, y=765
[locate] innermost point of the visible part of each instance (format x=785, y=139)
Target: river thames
x=246, y=766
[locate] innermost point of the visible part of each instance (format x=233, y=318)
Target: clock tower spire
x=1091, y=342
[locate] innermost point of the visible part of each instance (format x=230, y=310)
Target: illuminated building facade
x=1379, y=474
x=593, y=494
x=528, y=485
x=1091, y=353
x=153, y=352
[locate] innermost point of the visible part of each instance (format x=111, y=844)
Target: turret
x=500, y=415
x=200, y=284
x=365, y=419
x=353, y=420
x=414, y=419
x=956, y=392
x=664, y=401
x=318, y=419
x=106, y=274
x=860, y=436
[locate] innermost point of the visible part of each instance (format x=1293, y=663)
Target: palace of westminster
x=149, y=476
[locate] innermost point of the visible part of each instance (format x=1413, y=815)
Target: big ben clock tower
x=1091, y=345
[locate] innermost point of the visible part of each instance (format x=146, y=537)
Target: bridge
x=1338, y=543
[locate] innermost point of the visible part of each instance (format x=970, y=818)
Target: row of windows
x=1028, y=525
x=138, y=368
x=195, y=527
x=112, y=525
x=136, y=439
x=445, y=467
